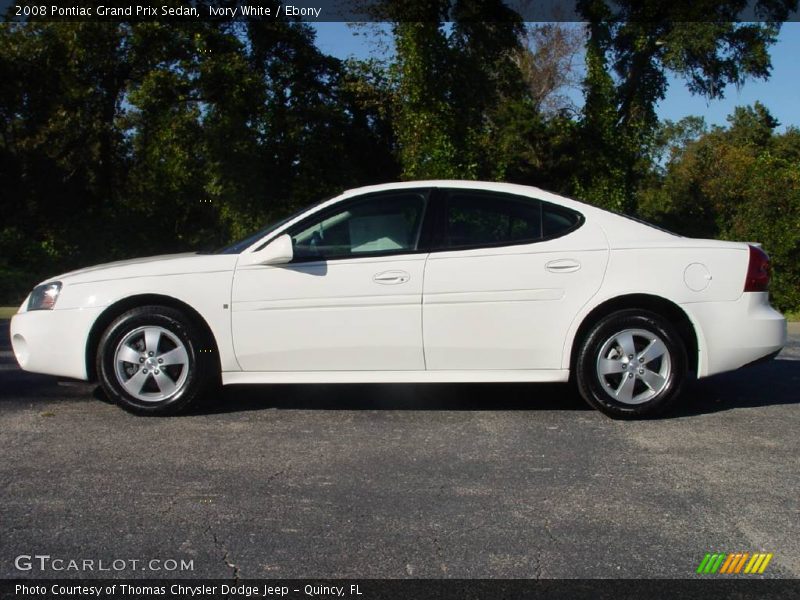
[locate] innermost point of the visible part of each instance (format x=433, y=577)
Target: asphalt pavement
x=428, y=481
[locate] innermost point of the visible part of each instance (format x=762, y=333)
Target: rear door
x=506, y=278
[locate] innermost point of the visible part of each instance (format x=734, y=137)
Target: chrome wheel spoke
x=655, y=349
x=625, y=342
x=653, y=380
x=176, y=356
x=128, y=354
x=152, y=335
x=607, y=366
x=624, y=392
x=164, y=383
x=643, y=396
x=135, y=384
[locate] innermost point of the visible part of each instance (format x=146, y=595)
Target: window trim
x=421, y=245
x=443, y=196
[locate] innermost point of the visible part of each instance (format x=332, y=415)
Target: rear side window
x=474, y=218
x=486, y=219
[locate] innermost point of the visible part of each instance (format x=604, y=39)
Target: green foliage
x=607, y=150
x=425, y=120
x=632, y=45
x=149, y=137
x=454, y=88
x=740, y=183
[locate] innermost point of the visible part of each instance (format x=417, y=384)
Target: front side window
x=486, y=219
x=385, y=223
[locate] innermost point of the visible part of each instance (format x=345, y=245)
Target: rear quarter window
x=558, y=221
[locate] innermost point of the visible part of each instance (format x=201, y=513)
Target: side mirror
x=278, y=252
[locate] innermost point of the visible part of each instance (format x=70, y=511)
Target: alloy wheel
x=151, y=363
x=633, y=366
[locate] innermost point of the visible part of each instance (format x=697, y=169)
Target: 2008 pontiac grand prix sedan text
x=434, y=281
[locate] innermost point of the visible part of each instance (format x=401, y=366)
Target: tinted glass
x=485, y=219
x=556, y=221
x=380, y=224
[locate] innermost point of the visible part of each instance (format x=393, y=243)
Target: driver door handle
x=391, y=277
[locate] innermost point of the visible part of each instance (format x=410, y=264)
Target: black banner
x=374, y=589
x=385, y=10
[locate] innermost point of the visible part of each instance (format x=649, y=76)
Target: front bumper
x=735, y=334
x=53, y=341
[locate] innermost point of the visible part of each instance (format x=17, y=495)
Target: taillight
x=757, y=271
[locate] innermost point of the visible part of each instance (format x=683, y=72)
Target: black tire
x=601, y=345
x=174, y=329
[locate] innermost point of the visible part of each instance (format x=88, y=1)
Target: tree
x=636, y=44
x=448, y=84
x=62, y=88
x=741, y=183
x=547, y=61
x=148, y=137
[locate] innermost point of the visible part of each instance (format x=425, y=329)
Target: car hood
x=151, y=266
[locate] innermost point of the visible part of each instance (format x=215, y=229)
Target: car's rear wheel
x=154, y=360
x=631, y=364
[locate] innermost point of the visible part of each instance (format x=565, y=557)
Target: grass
x=6, y=312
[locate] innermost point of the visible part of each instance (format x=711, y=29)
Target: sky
x=780, y=93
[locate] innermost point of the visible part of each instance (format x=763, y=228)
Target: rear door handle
x=391, y=277
x=563, y=265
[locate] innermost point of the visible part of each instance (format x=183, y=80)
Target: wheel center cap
x=151, y=363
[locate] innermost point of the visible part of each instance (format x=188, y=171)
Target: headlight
x=43, y=297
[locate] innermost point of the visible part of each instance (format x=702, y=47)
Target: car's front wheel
x=632, y=363
x=152, y=360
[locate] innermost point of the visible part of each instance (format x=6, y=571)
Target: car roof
x=495, y=186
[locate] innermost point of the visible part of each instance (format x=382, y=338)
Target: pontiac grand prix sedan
x=429, y=281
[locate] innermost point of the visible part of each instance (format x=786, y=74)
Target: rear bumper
x=53, y=341
x=763, y=359
x=735, y=334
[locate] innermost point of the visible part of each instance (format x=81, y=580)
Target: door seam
x=422, y=311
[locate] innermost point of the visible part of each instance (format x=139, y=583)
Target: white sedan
x=429, y=281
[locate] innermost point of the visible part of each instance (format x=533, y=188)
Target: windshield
x=241, y=245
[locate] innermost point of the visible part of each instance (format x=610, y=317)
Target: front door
x=349, y=301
